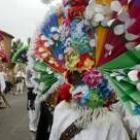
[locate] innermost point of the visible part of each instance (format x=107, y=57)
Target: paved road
x=14, y=120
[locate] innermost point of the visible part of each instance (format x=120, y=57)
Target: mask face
x=75, y=78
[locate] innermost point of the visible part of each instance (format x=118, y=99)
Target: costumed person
x=32, y=106
x=48, y=102
x=3, y=101
x=46, y=116
x=85, y=115
x=20, y=82
x=97, y=35
x=7, y=81
x=46, y=81
x=29, y=83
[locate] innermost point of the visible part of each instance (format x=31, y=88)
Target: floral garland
x=95, y=91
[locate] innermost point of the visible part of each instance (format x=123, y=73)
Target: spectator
x=20, y=82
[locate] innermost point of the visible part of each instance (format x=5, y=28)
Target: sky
x=21, y=17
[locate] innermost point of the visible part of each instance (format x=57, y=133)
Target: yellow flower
x=73, y=60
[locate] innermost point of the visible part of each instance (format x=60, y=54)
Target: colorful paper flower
x=65, y=93
x=72, y=61
x=76, y=12
x=97, y=13
x=105, y=90
x=78, y=94
x=86, y=62
x=133, y=75
x=93, y=78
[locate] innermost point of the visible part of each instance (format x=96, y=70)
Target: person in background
x=46, y=115
x=7, y=81
x=20, y=82
x=32, y=107
x=10, y=80
x=47, y=105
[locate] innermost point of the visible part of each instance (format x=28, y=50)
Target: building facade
x=6, y=42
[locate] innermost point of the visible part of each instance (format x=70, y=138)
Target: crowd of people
x=10, y=83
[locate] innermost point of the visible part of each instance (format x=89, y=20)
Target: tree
x=15, y=46
x=29, y=40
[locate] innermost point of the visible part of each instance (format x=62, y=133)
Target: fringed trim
x=91, y=117
x=96, y=117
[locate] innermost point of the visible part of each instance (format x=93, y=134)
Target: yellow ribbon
x=101, y=34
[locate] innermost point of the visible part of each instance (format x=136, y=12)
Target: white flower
x=83, y=89
x=133, y=75
x=116, y=6
x=97, y=13
x=119, y=29
x=92, y=42
x=130, y=45
x=131, y=37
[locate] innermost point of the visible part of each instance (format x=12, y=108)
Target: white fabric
x=28, y=78
x=34, y=115
x=5, y=76
x=132, y=123
x=20, y=74
x=2, y=82
x=19, y=87
x=107, y=127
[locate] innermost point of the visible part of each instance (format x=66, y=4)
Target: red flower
x=93, y=78
x=65, y=93
x=86, y=62
x=76, y=12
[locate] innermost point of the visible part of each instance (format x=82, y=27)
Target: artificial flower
x=105, y=90
x=133, y=75
x=72, y=61
x=65, y=93
x=76, y=12
x=86, y=62
x=97, y=13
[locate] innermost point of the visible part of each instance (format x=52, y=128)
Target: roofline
x=4, y=33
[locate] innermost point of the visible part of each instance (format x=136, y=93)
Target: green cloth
x=126, y=89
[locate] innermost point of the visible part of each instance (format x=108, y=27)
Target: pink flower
x=93, y=78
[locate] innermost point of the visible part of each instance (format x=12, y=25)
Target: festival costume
x=89, y=50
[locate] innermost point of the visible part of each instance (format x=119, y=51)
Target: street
x=14, y=120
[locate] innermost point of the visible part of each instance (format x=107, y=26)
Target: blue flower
x=106, y=92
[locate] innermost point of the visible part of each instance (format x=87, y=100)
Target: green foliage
x=15, y=46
